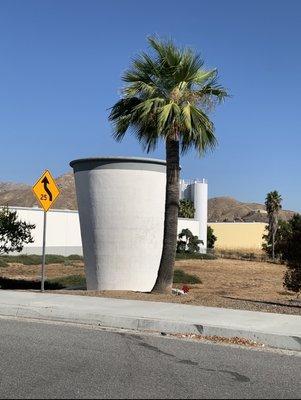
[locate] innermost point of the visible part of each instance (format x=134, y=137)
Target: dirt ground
x=249, y=285
x=33, y=272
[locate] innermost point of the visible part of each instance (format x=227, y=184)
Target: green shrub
x=67, y=281
x=292, y=278
x=292, y=256
x=54, y=259
x=188, y=243
x=36, y=259
x=75, y=257
x=24, y=259
x=3, y=263
x=14, y=233
x=211, y=238
x=182, y=277
x=186, y=209
x=195, y=256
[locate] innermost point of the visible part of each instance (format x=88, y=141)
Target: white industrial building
x=197, y=192
x=63, y=227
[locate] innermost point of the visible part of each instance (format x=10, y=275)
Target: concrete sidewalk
x=275, y=330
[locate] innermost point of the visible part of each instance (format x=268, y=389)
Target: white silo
x=121, y=209
x=182, y=187
x=197, y=192
x=185, y=190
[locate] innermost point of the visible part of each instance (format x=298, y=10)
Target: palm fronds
x=167, y=94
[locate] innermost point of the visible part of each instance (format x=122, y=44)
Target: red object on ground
x=185, y=289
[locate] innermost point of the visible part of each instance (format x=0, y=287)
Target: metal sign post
x=43, y=253
x=46, y=191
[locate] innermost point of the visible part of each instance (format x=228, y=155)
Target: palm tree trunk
x=275, y=228
x=273, y=246
x=166, y=269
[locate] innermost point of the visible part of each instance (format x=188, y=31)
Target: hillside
x=21, y=195
x=227, y=209
x=220, y=209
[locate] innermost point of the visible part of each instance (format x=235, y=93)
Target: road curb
x=148, y=324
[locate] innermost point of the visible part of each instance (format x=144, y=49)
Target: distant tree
x=188, y=243
x=291, y=253
x=211, y=238
x=186, y=209
x=281, y=238
x=13, y=232
x=273, y=206
x=292, y=278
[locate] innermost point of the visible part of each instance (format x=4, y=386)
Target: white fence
x=62, y=234
x=63, y=231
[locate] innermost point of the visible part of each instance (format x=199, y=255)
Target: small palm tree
x=273, y=206
x=166, y=97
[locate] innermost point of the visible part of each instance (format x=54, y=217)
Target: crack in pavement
x=140, y=342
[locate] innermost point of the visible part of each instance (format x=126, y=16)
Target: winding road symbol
x=46, y=190
x=45, y=181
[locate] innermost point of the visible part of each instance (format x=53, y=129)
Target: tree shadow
x=294, y=303
x=23, y=284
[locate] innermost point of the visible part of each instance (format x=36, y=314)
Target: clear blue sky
x=60, y=69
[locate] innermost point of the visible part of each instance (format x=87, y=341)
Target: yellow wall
x=238, y=235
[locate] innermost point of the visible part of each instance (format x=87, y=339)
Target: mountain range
x=220, y=209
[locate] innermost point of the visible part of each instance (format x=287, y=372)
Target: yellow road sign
x=46, y=190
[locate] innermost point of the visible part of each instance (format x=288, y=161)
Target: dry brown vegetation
x=237, y=284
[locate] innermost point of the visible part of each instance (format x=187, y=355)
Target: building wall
x=230, y=235
x=188, y=223
x=62, y=233
x=64, y=237
x=238, y=235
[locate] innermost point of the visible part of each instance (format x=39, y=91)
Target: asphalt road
x=45, y=360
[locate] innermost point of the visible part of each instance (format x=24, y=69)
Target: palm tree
x=166, y=97
x=186, y=209
x=273, y=206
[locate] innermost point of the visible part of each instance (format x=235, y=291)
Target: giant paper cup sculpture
x=121, y=210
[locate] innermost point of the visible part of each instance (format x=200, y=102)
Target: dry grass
x=250, y=254
x=241, y=250
x=228, y=283
x=32, y=272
